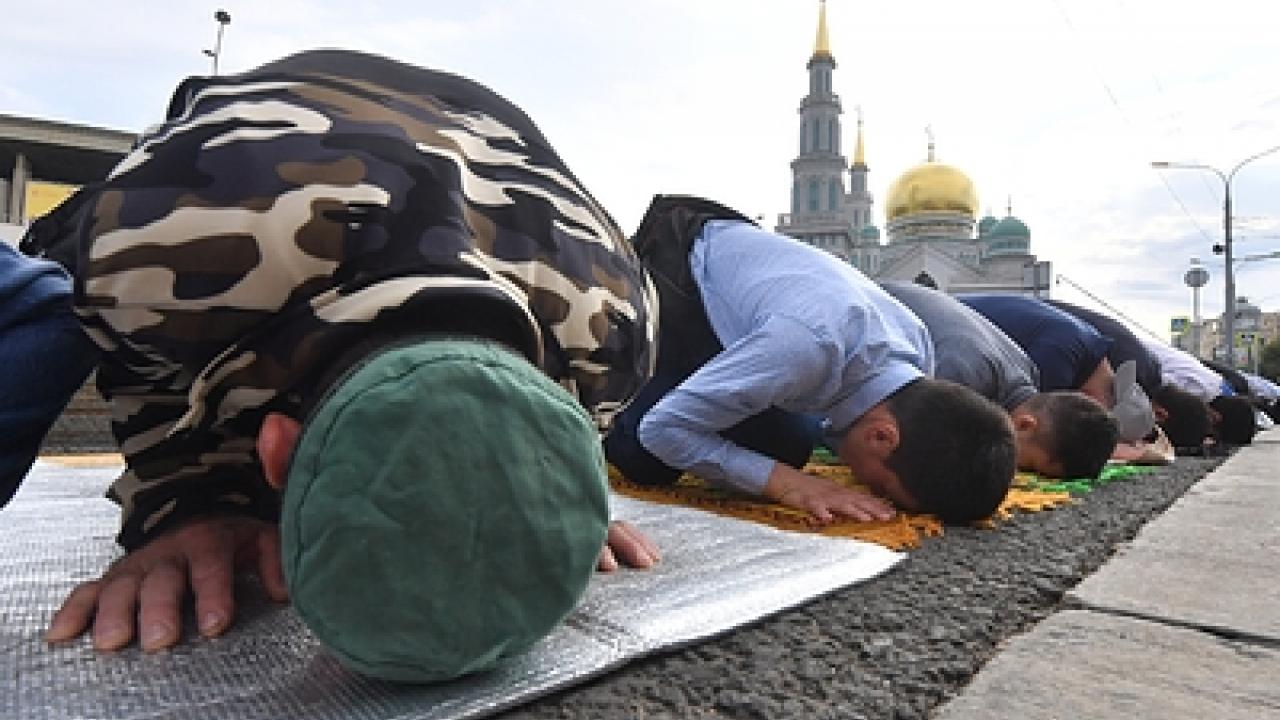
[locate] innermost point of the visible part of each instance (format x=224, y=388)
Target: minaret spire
x=859, y=155
x=822, y=44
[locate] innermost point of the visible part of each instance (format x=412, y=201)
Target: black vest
x=663, y=241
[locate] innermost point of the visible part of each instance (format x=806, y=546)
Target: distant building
x=1254, y=329
x=43, y=162
x=934, y=236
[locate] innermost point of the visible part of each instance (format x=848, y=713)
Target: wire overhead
x=1087, y=52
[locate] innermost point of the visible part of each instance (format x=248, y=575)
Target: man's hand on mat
x=824, y=500
x=629, y=545
x=145, y=589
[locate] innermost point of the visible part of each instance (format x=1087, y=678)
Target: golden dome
x=931, y=187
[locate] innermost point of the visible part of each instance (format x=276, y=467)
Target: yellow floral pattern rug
x=1028, y=494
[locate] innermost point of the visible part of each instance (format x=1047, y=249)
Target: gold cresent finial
x=822, y=44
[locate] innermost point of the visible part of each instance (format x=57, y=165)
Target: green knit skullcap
x=445, y=508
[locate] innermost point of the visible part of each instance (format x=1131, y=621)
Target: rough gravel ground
x=899, y=645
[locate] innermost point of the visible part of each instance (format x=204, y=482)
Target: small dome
x=1010, y=227
x=985, y=225
x=1009, y=237
x=932, y=187
x=869, y=232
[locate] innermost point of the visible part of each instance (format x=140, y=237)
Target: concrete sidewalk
x=1184, y=622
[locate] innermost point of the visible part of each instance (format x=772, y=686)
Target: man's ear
x=881, y=435
x=1025, y=422
x=1160, y=412
x=276, y=438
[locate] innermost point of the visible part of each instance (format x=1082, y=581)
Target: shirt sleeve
x=779, y=361
x=172, y=477
x=1011, y=386
x=1004, y=384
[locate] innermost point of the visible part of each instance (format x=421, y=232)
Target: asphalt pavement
x=1086, y=611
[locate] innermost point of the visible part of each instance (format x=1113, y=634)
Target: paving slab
x=1210, y=561
x=1081, y=664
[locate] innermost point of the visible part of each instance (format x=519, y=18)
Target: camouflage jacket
x=277, y=215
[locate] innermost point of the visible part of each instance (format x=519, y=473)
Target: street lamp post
x=1195, y=278
x=1229, y=276
x=224, y=19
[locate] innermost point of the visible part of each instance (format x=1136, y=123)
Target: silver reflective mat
x=717, y=573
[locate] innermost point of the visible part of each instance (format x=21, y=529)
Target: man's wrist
x=783, y=481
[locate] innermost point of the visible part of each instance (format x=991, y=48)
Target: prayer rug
x=716, y=574
x=901, y=533
x=1029, y=493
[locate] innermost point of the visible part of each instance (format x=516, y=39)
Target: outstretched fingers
x=625, y=544
x=211, y=573
x=113, y=625
x=160, y=606
x=73, y=618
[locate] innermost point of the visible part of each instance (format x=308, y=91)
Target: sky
x=1057, y=107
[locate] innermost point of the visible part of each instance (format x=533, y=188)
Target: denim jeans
x=784, y=436
x=45, y=357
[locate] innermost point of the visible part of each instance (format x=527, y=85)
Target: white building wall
x=11, y=233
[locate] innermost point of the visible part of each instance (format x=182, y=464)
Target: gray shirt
x=968, y=349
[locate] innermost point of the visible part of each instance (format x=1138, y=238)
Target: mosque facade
x=932, y=234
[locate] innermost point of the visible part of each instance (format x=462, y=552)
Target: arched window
x=813, y=196
x=833, y=195
x=817, y=130
x=831, y=132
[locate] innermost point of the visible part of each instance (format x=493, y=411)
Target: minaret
x=818, y=172
x=817, y=188
x=859, y=200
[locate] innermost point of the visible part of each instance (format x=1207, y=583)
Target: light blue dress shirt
x=802, y=331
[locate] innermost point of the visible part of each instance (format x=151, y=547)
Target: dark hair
x=955, y=453
x=1077, y=432
x=1187, y=421
x=1237, y=425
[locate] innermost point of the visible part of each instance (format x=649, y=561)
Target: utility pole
x=223, y=19
x=1229, y=316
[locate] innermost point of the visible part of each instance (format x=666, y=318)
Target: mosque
x=931, y=216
